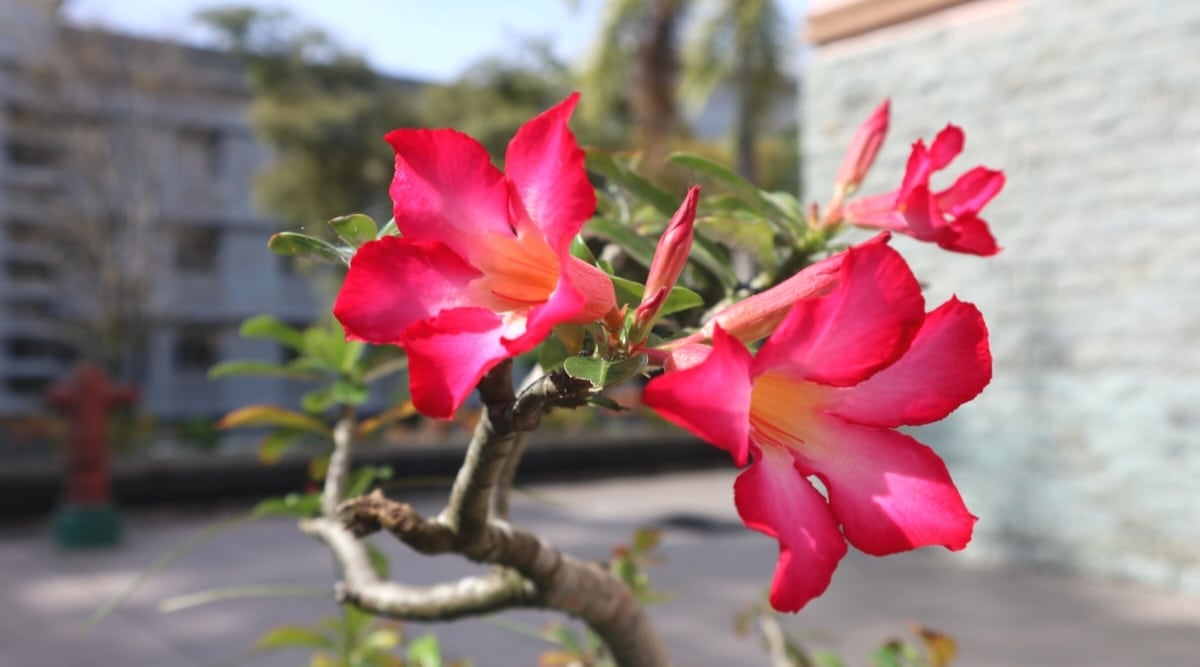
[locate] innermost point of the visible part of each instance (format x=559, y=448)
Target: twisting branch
x=530, y=572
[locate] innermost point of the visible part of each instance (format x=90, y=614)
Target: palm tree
x=740, y=44
x=632, y=76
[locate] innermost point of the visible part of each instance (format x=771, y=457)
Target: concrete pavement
x=1001, y=616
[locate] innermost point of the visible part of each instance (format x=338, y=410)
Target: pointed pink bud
x=673, y=248
x=647, y=313
x=863, y=149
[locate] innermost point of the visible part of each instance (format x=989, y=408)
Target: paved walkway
x=1002, y=617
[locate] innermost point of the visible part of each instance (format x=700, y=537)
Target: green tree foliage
x=320, y=109
x=497, y=95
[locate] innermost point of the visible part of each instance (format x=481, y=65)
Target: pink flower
x=949, y=218
x=482, y=270
x=822, y=399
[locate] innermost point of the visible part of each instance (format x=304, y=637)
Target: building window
x=30, y=308
x=26, y=154
x=201, y=150
x=28, y=386
x=196, y=348
x=28, y=270
x=197, y=249
x=28, y=347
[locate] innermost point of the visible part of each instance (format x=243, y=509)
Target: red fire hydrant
x=87, y=517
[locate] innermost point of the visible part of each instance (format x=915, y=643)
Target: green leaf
x=601, y=372
x=380, y=640
x=725, y=176
x=425, y=651
x=362, y=478
x=564, y=637
x=602, y=401
x=640, y=249
x=293, y=636
x=275, y=444
x=388, y=229
x=630, y=293
x=603, y=163
x=355, y=229
x=379, y=361
x=580, y=251
x=379, y=560
x=303, y=245
x=551, y=353
x=318, y=400
x=268, y=326
x=271, y=415
x=397, y=412
x=827, y=659
x=303, y=505
x=743, y=231
x=345, y=392
x=890, y=654
x=249, y=367
x=646, y=540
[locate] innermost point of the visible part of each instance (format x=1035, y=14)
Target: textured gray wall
x=1085, y=450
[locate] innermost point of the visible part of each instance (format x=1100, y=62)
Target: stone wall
x=1085, y=450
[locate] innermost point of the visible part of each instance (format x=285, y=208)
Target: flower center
x=783, y=410
x=520, y=271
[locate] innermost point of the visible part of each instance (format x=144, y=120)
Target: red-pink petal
x=889, y=492
x=879, y=211
x=446, y=189
x=449, y=354
x=690, y=398
x=971, y=192
x=923, y=218
x=947, y=365
x=970, y=234
x=946, y=146
x=394, y=282
x=583, y=295
x=545, y=166
x=863, y=325
x=773, y=497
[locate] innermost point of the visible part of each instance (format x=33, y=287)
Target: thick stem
x=585, y=590
x=339, y=463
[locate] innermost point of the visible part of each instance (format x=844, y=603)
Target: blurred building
x=125, y=174
x=1085, y=450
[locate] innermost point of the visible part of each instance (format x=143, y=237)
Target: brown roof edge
x=857, y=17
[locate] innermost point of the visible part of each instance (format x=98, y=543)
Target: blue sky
x=433, y=40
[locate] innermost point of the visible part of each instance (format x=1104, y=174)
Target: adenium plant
x=802, y=371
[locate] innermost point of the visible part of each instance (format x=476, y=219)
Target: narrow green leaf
x=363, y=477
x=580, y=251
x=189, y=600
x=355, y=229
x=271, y=415
x=601, y=372
x=743, y=231
x=640, y=249
x=302, y=505
x=680, y=298
x=293, y=636
x=270, y=327
x=249, y=367
x=379, y=560
x=827, y=659
x=275, y=444
x=602, y=401
x=603, y=163
x=318, y=400
x=397, y=412
x=388, y=229
x=551, y=353
x=425, y=651
x=303, y=245
x=380, y=641
x=345, y=392
x=630, y=293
